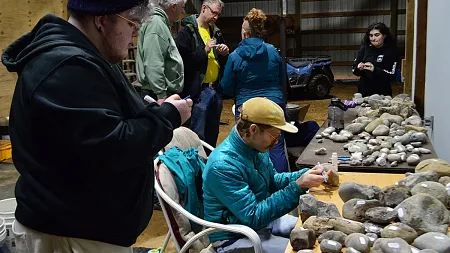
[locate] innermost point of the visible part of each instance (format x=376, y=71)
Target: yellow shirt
x=212, y=71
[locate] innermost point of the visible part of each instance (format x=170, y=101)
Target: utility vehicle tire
x=319, y=86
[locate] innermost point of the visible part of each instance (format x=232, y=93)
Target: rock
x=320, y=151
x=321, y=225
x=415, y=250
x=424, y=213
x=355, y=209
x=424, y=151
x=325, y=135
x=393, y=157
x=385, y=150
x=444, y=180
x=412, y=180
x=328, y=246
x=393, y=151
x=409, y=147
x=435, y=241
x=393, y=195
x=441, y=167
x=358, y=241
x=360, y=119
x=399, y=230
x=329, y=130
x=416, y=144
x=302, y=238
x=422, y=137
x=370, y=227
x=310, y=206
x=339, y=138
x=355, y=163
x=357, y=147
x=355, y=128
x=383, y=155
x=376, y=154
x=403, y=158
x=305, y=251
x=373, y=125
x=373, y=142
x=369, y=161
x=416, y=151
x=399, y=147
x=318, y=136
x=413, y=160
x=416, y=129
x=381, y=161
x=347, y=134
x=349, y=190
x=336, y=236
x=391, y=245
x=351, y=250
x=394, y=164
x=372, y=238
x=428, y=251
x=386, y=144
x=381, y=130
x=434, y=189
x=414, y=121
x=320, y=141
x=367, y=153
x=381, y=215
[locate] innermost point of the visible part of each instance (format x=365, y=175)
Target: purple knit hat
x=103, y=7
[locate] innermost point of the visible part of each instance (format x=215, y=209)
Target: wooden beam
x=394, y=17
x=421, y=55
x=350, y=14
x=409, y=45
x=331, y=48
x=298, y=29
x=342, y=31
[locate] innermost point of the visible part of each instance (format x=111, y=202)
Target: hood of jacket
x=161, y=13
x=50, y=32
x=252, y=48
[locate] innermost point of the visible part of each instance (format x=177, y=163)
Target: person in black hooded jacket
x=377, y=61
x=82, y=137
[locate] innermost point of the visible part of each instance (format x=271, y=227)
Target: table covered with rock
x=380, y=213
x=385, y=135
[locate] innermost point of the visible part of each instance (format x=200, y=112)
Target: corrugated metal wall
x=320, y=20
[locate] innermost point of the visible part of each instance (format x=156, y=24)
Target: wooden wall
x=18, y=17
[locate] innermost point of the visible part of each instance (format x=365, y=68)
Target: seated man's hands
x=312, y=178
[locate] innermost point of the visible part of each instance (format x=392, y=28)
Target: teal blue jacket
x=240, y=186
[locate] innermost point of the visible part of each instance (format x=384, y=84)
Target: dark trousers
x=205, y=119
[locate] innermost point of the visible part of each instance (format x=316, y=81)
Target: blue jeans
x=278, y=154
x=205, y=119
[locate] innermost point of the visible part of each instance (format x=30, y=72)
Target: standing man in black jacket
x=204, y=54
x=82, y=138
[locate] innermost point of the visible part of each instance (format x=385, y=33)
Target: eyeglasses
x=274, y=139
x=215, y=13
x=135, y=25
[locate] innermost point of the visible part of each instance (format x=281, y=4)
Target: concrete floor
x=156, y=231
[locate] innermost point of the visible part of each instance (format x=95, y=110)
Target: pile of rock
x=386, y=132
x=388, y=220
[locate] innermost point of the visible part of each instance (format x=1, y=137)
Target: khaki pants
x=31, y=241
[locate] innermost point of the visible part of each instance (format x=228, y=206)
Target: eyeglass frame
x=215, y=13
x=274, y=139
x=135, y=25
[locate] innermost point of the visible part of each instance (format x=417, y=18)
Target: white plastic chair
x=209, y=227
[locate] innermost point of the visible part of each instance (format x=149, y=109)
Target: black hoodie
x=82, y=138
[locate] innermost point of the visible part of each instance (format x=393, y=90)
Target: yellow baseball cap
x=264, y=111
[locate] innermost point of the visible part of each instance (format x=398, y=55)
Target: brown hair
x=256, y=19
x=243, y=127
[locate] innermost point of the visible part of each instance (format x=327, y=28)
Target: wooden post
x=421, y=55
x=409, y=46
x=394, y=18
x=298, y=30
x=282, y=13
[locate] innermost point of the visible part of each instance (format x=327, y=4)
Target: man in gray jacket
x=159, y=64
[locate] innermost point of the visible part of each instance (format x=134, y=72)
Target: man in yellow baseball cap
x=241, y=186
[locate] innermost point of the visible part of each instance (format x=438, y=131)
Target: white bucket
x=7, y=210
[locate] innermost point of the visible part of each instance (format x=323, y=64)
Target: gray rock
x=416, y=144
x=434, y=189
x=428, y=251
x=383, y=155
x=358, y=241
x=444, y=180
x=355, y=128
x=370, y=227
x=424, y=213
x=329, y=130
x=318, y=136
x=320, y=151
x=409, y=147
x=391, y=245
x=310, y=206
x=328, y=246
x=381, y=130
x=347, y=134
x=394, y=164
x=363, y=135
x=325, y=135
x=393, y=157
x=412, y=180
x=302, y=238
x=355, y=209
x=424, y=151
x=349, y=190
x=360, y=119
x=369, y=161
x=351, y=250
x=376, y=154
x=373, y=125
x=384, y=150
x=399, y=230
x=339, y=138
x=435, y=241
x=399, y=147
x=403, y=139
x=372, y=238
x=415, y=250
x=355, y=163
x=333, y=178
x=393, y=195
x=320, y=141
x=357, y=147
x=381, y=215
x=373, y=142
x=321, y=225
x=381, y=161
x=305, y=251
x=336, y=236
x=367, y=153
x=393, y=151
x=414, y=121
x=419, y=136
